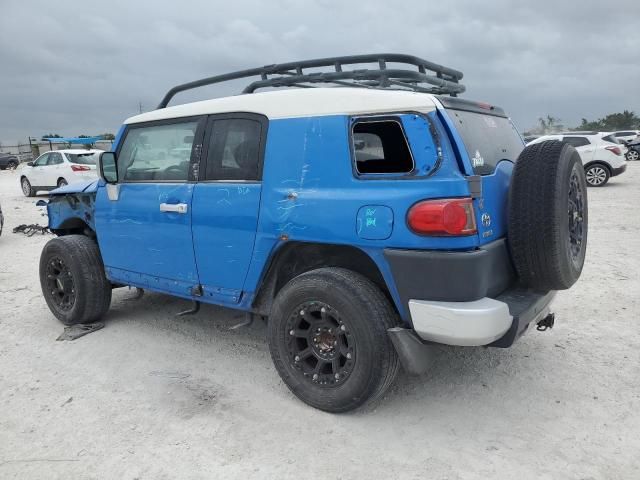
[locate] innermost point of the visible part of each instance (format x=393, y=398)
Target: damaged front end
x=71, y=209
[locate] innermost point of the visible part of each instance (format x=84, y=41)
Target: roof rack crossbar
x=292, y=74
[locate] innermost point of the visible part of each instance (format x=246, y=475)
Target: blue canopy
x=78, y=140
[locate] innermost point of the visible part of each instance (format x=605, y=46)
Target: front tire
x=27, y=189
x=73, y=281
x=597, y=175
x=328, y=339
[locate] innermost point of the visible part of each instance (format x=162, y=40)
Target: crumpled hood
x=87, y=186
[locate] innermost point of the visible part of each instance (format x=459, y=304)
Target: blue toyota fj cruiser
x=367, y=222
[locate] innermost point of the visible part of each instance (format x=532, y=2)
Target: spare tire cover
x=547, y=211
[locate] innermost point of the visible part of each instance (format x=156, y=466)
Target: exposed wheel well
x=74, y=226
x=296, y=258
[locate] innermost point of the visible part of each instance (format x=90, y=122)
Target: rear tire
x=632, y=155
x=62, y=182
x=73, y=281
x=597, y=175
x=27, y=189
x=548, y=216
x=328, y=339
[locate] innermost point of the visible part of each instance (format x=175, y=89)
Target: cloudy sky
x=82, y=67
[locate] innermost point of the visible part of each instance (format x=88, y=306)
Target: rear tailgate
x=488, y=145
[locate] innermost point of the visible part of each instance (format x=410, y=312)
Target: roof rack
x=428, y=77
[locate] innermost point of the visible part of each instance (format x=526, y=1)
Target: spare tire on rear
x=548, y=219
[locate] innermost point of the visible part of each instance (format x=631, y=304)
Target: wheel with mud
x=548, y=216
x=73, y=281
x=328, y=339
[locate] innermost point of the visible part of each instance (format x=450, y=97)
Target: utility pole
x=140, y=106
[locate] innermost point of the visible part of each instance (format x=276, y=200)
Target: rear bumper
x=619, y=170
x=489, y=321
x=465, y=298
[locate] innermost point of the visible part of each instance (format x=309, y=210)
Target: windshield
x=83, y=158
x=488, y=139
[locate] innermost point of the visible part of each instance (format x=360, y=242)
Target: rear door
x=226, y=203
x=490, y=147
x=145, y=233
x=583, y=146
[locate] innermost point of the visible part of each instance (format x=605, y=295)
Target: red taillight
x=79, y=168
x=615, y=150
x=452, y=216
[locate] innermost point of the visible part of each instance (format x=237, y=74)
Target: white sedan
x=58, y=168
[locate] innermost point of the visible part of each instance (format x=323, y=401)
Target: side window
x=157, y=152
x=42, y=160
x=381, y=147
x=54, y=159
x=234, y=150
x=576, y=141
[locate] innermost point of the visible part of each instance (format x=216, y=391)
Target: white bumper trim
x=460, y=323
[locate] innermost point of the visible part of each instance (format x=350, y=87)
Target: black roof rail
x=428, y=77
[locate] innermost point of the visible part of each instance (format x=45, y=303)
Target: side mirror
x=108, y=166
x=30, y=164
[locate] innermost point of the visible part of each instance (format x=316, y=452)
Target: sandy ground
x=152, y=397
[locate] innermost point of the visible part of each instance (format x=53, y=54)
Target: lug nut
x=343, y=328
x=297, y=359
x=337, y=375
x=323, y=310
x=315, y=376
x=349, y=355
x=291, y=332
x=301, y=312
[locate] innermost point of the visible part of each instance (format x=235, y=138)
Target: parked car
x=365, y=225
x=600, y=152
x=9, y=161
x=626, y=136
x=633, y=150
x=58, y=168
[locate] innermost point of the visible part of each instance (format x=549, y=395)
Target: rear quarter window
x=488, y=139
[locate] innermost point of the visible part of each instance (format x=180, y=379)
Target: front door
x=226, y=203
x=36, y=175
x=145, y=233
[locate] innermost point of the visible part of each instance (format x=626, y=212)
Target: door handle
x=174, y=207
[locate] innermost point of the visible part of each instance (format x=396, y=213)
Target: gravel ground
x=152, y=396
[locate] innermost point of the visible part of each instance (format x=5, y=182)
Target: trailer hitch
x=546, y=323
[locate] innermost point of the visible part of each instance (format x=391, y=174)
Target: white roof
x=301, y=102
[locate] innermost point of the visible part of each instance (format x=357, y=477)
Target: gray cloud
x=82, y=67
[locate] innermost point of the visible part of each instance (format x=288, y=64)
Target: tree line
x=625, y=120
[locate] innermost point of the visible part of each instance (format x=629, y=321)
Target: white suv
x=58, y=168
x=600, y=152
x=627, y=135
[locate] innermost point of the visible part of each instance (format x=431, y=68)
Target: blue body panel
x=135, y=237
x=309, y=192
x=225, y=217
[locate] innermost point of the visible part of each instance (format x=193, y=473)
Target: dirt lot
x=151, y=396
